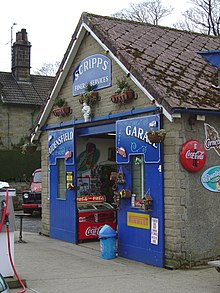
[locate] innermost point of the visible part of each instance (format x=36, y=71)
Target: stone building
x=22, y=95
x=168, y=195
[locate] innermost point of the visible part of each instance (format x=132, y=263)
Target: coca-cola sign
x=92, y=231
x=192, y=155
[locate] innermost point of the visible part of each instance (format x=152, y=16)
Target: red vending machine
x=93, y=214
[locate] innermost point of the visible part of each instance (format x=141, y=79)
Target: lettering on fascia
x=60, y=140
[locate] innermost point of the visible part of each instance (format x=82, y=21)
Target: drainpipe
x=8, y=130
x=32, y=117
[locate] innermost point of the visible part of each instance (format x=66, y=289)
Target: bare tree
x=150, y=11
x=48, y=69
x=203, y=17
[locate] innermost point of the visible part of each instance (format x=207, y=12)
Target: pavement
x=51, y=266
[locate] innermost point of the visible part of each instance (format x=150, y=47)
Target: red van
x=31, y=199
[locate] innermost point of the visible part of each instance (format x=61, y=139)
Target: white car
x=3, y=285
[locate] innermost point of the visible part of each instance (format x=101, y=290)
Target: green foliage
x=59, y=102
x=23, y=140
x=160, y=132
x=17, y=164
x=89, y=87
x=122, y=85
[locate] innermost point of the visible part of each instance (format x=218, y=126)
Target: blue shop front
x=124, y=169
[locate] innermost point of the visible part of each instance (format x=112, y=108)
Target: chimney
x=21, y=53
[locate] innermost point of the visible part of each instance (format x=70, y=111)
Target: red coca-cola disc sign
x=192, y=155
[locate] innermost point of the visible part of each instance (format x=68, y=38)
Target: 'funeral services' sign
x=94, y=70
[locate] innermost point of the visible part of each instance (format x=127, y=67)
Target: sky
x=50, y=24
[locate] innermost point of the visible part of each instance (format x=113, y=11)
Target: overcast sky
x=50, y=24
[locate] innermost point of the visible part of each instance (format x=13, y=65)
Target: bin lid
x=107, y=232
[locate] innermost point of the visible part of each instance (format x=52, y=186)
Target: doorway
x=98, y=151
x=62, y=170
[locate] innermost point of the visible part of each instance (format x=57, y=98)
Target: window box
x=62, y=111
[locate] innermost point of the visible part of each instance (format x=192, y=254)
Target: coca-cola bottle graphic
x=212, y=138
x=195, y=156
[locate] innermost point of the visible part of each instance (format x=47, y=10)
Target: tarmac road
x=52, y=266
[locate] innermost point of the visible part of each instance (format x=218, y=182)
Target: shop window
x=61, y=179
x=138, y=176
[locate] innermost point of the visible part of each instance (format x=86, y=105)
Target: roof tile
x=164, y=60
x=25, y=93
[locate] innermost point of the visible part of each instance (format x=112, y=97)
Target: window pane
x=61, y=179
x=137, y=176
x=37, y=177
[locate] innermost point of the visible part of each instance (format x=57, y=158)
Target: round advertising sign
x=192, y=155
x=211, y=179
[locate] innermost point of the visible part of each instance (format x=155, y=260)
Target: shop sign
x=192, y=155
x=94, y=70
x=154, y=231
x=132, y=138
x=60, y=145
x=91, y=198
x=211, y=179
x=212, y=140
x=138, y=220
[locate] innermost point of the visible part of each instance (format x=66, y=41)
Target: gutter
x=197, y=112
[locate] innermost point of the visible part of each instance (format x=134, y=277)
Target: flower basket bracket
x=156, y=136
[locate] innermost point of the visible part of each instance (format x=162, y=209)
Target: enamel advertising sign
x=132, y=139
x=60, y=145
x=192, y=155
x=94, y=70
x=211, y=179
x=212, y=141
x=138, y=220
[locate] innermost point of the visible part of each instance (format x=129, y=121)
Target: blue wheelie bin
x=107, y=237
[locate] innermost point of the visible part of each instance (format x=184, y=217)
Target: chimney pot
x=21, y=56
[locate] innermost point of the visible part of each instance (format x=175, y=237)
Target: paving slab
x=52, y=266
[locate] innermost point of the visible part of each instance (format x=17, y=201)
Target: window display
x=97, y=182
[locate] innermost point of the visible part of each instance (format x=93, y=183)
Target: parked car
x=3, y=285
x=31, y=198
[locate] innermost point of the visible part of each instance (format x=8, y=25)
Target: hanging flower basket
x=156, y=136
x=28, y=148
x=61, y=108
x=89, y=98
x=123, y=93
x=62, y=111
x=146, y=203
x=123, y=97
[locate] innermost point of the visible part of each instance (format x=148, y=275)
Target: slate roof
x=164, y=60
x=24, y=93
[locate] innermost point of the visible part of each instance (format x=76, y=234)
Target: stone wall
x=45, y=186
x=192, y=223
x=101, y=108
x=15, y=124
